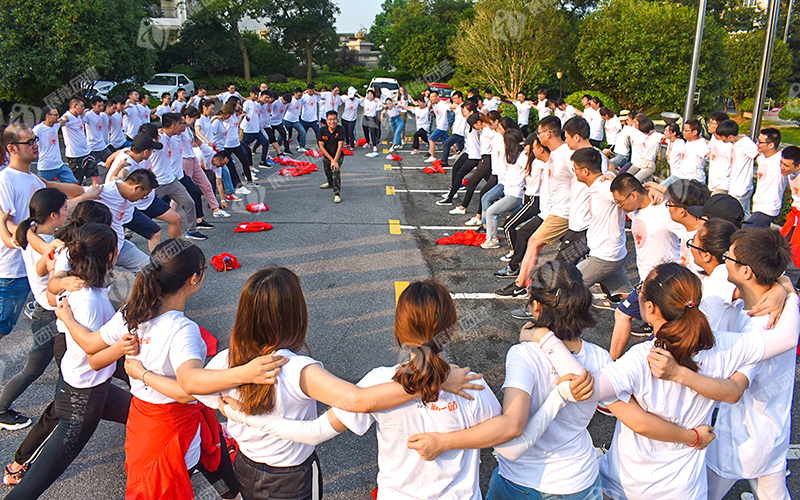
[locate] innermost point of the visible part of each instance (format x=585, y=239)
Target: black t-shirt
x=331, y=139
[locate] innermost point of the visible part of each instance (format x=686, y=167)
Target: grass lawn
x=789, y=135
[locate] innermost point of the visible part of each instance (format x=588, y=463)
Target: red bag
x=468, y=238
x=256, y=207
x=252, y=227
x=225, y=261
x=346, y=152
x=437, y=169
x=393, y=158
x=361, y=142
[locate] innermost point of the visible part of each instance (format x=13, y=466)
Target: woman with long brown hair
x=401, y=399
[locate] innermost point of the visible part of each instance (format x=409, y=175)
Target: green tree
x=205, y=43
x=745, y=60
x=516, y=49
x=641, y=53
x=380, y=30
x=46, y=44
x=306, y=27
x=230, y=13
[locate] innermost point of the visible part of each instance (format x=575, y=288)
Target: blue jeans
x=13, y=292
x=438, y=135
x=501, y=488
x=62, y=174
x=493, y=213
x=451, y=118
x=301, y=132
x=397, y=127
x=249, y=137
x=490, y=197
x=315, y=125
x=453, y=140
x=227, y=184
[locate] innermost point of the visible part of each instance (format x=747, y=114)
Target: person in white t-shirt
x=370, y=124
x=230, y=91
x=646, y=146
x=79, y=155
x=309, y=118
x=439, y=108
x=490, y=101
x=97, y=123
x=116, y=129
x=165, y=106
x=693, y=158
x=612, y=125
x=790, y=167
x=329, y=100
x=84, y=393
x=49, y=165
x=620, y=155
x=542, y=108
x=401, y=400
x=768, y=198
x=291, y=120
x=675, y=145
x=422, y=120
x=180, y=102
x=392, y=111
x=171, y=353
x=251, y=126
x=146, y=115
x=743, y=154
x=513, y=186
x=131, y=119
x=266, y=99
x=591, y=114
x=350, y=115
x=199, y=97
x=191, y=165
x=523, y=106
x=719, y=156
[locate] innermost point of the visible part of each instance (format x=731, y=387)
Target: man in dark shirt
x=331, y=141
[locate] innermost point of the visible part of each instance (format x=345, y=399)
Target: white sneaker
x=371, y=155
x=242, y=190
x=493, y=243
x=325, y=186
x=475, y=221
x=254, y=170
x=458, y=211
x=374, y=149
x=413, y=152
x=337, y=198
x=221, y=213
x=391, y=149
x=301, y=150
x=366, y=146
x=747, y=496
x=430, y=159
x=507, y=257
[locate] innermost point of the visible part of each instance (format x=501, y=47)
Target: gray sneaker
x=522, y=314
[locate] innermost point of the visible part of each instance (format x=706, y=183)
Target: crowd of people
x=722, y=318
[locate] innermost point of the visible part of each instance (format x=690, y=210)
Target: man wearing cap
x=720, y=206
x=349, y=116
x=331, y=142
x=621, y=155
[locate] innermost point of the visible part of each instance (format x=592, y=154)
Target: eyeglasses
x=620, y=202
x=689, y=244
x=672, y=205
x=30, y=142
x=726, y=256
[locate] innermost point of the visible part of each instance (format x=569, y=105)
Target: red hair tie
x=691, y=304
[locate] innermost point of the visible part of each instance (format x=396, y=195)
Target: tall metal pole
x=766, y=63
x=788, y=21
x=698, y=40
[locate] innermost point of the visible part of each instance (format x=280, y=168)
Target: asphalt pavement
x=352, y=262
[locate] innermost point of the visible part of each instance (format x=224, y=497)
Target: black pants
x=315, y=125
x=573, y=247
x=79, y=412
x=283, y=140
x=249, y=138
x=263, y=482
x=454, y=140
x=461, y=168
x=523, y=234
x=349, y=133
x=334, y=176
x=195, y=193
x=372, y=130
x=224, y=478
x=247, y=162
x=484, y=172
x=492, y=182
x=420, y=135
x=528, y=211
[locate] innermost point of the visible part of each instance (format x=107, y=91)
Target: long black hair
x=513, y=142
x=565, y=301
x=91, y=253
x=44, y=202
x=85, y=212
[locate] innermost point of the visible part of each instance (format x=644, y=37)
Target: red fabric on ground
x=314, y=153
x=468, y=238
x=361, y=142
x=393, y=158
x=252, y=227
x=346, y=152
x=256, y=207
x=437, y=169
x=224, y=262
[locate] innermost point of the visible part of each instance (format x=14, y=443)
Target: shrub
x=791, y=111
x=747, y=105
x=187, y=70
x=575, y=99
x=277, y=78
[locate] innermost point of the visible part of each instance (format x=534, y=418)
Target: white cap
x=351, y=92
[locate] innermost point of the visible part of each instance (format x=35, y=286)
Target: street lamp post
x=698, y=40
x=560, y=75
x=766, y=63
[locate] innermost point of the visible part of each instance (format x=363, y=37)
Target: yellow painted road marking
x=389, y=190
x=385, y=150
x=399, y=286
x=394, y=227
x=384, y=142
x=387, y=167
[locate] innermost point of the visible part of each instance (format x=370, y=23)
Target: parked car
x=169, y=82
x=444, y=90
x=388, y=87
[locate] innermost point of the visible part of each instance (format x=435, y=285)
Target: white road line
x=794, y=452
x=478, y=296
x=439, y=228
x=415, y=168
x=421, y=190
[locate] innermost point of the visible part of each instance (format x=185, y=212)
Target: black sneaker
x=522, y=314
x=512, y=290
x=30, y=307
x=13, y=421
x=204, y=225
x=196, y=236
x=507, y=272
x=642, y=330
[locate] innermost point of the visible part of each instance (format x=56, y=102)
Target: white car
x=101, y=88
x=169, y=82
x=388, y=87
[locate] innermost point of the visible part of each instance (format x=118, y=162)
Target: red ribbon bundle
x=468, y=238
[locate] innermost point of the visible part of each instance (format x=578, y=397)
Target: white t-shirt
x=402, y=474
x=276, y=112
x=121, y=209
x=460, y=123
x=206, y=128
x=440, y=110
x=514, y=182
x=636, y=467
x=232, y=132
x=656, y=237
x=176, y=160
x=743, y=155
x=92, y=309
x=770, y=186
x=163, y=109
x=533, y=181
x=161, y=160
x=49, y=152
x=606, y=234
x=177, y=106
x=293, y=109
x=613, y=127
x=290, y=403
x=309, y=113
x=371, y=107
x=16, y=189
x=621, y=147
x=264, y=111
x=564, y=115
x=487, y=135
x=592, y=116
x=144, y=113
x=225, y=96
x=124, y=156
x=96, y=130
x=579, y=199
x=187, y=148
x=329, y=102
x=637, y=139
x=543, y=111
x=560, y=182
x=252, y=122
x=650, y=147
x=563, y=461
x=116, y=130
x=499, y=157
x=693, y=161
x=422, y=118
x=491, y=104
x=523, y=112
x=719, y=164
x=132, y=120
x=75, y=136
x=717, y=304
x=38, y=283
x=753, y=435
x=674, y=154
x=472, y=144
x=350, y=111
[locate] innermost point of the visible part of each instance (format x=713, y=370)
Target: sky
x=356, y=14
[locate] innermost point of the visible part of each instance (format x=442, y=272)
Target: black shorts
x=83, y=167
x=261, y=481
x=156, y=209
x=270, y=134
x=142, y=225
x=103, y=154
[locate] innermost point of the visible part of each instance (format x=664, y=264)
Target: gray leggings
x=177, y=192
x=43, y=327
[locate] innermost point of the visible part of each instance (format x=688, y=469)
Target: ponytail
x=566, y=303
x=91, y=254
x=43, y=204
x=425, y=320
